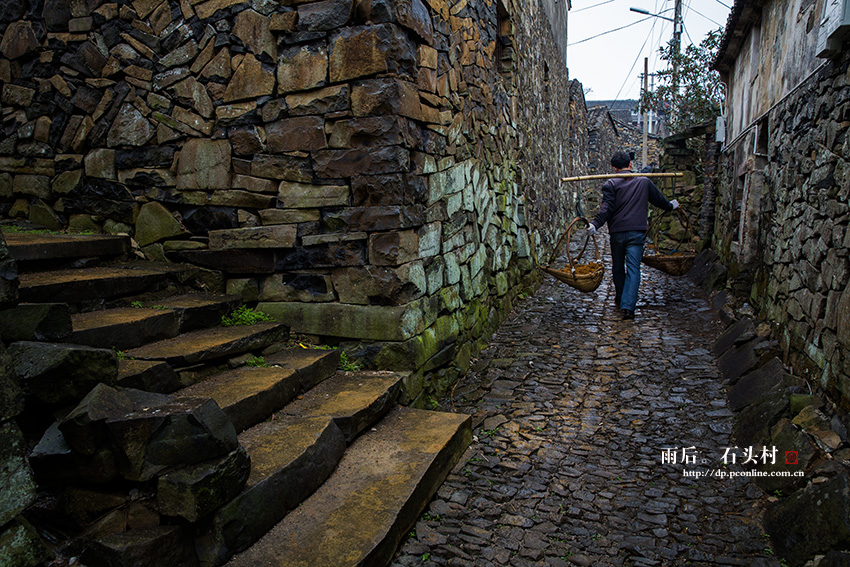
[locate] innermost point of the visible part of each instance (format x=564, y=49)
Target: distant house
x=783, y=214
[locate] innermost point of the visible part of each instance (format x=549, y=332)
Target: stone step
x=372, y=499
x=123, y=328
x=148, y=375
x=97, y=284
x=293, y=453
x=209, y=344
x=198, y=310
x=27, y=247
x=249, y=395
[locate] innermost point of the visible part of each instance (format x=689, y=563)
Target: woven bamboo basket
x=584, y=277
x=676, y=262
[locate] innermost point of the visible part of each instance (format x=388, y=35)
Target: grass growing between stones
x=244, y=315
x=256, y=362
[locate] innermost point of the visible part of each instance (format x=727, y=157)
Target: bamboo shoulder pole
x=615, y=175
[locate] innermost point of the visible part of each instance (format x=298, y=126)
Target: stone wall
x=782, y=225
x=380, y=173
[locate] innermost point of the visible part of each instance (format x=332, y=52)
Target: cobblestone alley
x=573, y=409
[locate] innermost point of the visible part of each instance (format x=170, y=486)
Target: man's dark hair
x=620, y=160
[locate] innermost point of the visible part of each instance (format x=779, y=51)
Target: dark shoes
x=628, y=314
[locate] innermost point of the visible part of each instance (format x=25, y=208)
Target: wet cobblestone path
x=573, y=408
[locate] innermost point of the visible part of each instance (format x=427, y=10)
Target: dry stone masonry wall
x=792, y=255
x=378, y=172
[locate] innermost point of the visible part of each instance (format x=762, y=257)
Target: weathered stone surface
x=386, y=96
x=743, y=329
x=754, y=423
x=392, y=189
x=334, y=164
x=55, y=464
x=164, y=545
x=130, y=128
x=254, y=31
x=156, y=223
x=18, y=40
x=36, y=322
x=195, y=491
x=324, y=15
x=366, y=132
x=302, y=68
x=148, y=375
x=413, y=15
x=182, y=432
x=297, y=287
x=84, y=427
x=305, y=133
x=787, y=438
x=304, y=196
x=321, y=101
x=190, y=91
x=736, y=361
x=249, y=81
x=58, y=374
x=380, y=323
x=752, y=386
x=377, y=218
x=15, y=475
x=810, y=521
x=393, y=248
x=204, y=164
x=288, y=168
x=282, y=236
x=324, y=255
x=380, y=286
x=367, y=50
x=21, y=546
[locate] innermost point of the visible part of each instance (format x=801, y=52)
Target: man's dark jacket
x=624, y=203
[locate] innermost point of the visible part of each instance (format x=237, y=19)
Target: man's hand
x=591, y=229
x=675, y=204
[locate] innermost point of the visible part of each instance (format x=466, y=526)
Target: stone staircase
x=181, y=441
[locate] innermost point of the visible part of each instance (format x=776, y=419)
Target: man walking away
x=624, y=207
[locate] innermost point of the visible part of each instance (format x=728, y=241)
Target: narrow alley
x=573, y=410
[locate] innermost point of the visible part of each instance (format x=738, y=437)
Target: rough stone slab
x=310, y=365
x=200, y=310
x=731, y=335
x=84, y=427
x=281, y=236
x=754, y=385
x=178, y=432
x=59, y=374
x=290, y=458
x=787, y=437
x=354, y=400
x=231, y=261
x=198, y=490
x=25, y=247
x=123, y=328
x=204, y=345
x=248, y=395
x=21, y=546
x=753, y=425
x=72, y=286
x=55, y=464
x=149, y=547
x=387, y=476
x=36, y=322
x=148, y=375
x=737, y=361
x=15, y=474
x=380, y=323
x=813, y=520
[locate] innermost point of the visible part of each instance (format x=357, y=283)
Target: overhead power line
x=589, y=7
x=609, y=31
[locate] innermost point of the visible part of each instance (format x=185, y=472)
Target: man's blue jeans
x=626, y=251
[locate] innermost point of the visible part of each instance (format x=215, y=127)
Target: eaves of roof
x=743, y=15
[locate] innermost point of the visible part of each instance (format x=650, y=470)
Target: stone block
x=324, y=15
x=36, y=322
x=149, y=547
x=336, y=164
x=413, y=15
x=810, y=521
x=100, y=163
x=204, y=164
x=254, y=184
x=130, y=128
x=280, y=236
x=376, y=218
x=250, y=81
x=305, y=133
x=15, y=474
x=35, y=185
x=380, y=323
x=787, y=438
x=380, y=285
x=287, y=168
x=181, y=432
x=195, y=491
x=21, y=546
x=61, y=374
x=393, y=248
x=14, y=95
x=244, y=199
x=754, y=423
x=367, y=50
x=247, y=140
x=386, y=96
x=758, y=383
x=297, y=287
x=156, y=223
x=288, y=216
x=326, y=255
x=254, y=30
x=392, y=189
x=305, y=196
x=737, y=361
x=322, y=101
x=54, y=463
x=367, y=132
x=302, y=68
x=18, y=40
x=84, y=427
x=81, y=507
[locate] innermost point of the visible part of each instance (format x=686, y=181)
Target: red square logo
x=791, y=458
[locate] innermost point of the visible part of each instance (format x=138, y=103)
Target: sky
x=610, y=65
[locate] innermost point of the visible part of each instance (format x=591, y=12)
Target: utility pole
x=644, y=155
x=677, y=44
